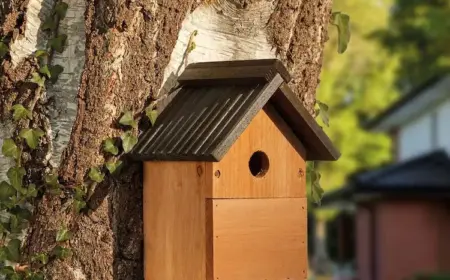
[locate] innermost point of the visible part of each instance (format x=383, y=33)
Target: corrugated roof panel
x=195, y=121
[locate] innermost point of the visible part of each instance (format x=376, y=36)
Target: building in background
x=401, y=211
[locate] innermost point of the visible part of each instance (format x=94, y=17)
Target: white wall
x=415, y=138
x=443, y=126
x=429, y=132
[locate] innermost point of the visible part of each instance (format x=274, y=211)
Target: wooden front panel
x=174, y=221
x=260, y=239
x=286, y=175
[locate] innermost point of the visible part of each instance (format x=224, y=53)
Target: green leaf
x=151, y=114
x=14, y=224
x=63, y=235
x=58, y=43
x=31, y=136
x=316, y=193
x=128, y=141
x=6, y=191
x=4, y=49
x=45, y=71
x=96, y=175
x=41, y=257
x=7, y=270
x=21, y=213
x=10, y=149
x=342, y=22
x=31, y=191
x=51, y=180
x=191, y=47
x=108, y=146
x=40, y=53
x=21, y=112
x=3, y=256
x=55, y=71
x=61, y=9
x=78, y=205
x=15, y=276
x=15, y=176
x=113, y=166
x=36, y=276
x=37, y=79
x=79, y=193
x=61, y=252
x=127, y=119
x=13, y=253
x=49, y=24
x=323, y=112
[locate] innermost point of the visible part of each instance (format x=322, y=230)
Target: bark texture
x=131, y=49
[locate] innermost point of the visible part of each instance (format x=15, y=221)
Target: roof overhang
x=413, y=105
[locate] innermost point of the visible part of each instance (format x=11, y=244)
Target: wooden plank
x=286, y=174
x=317, y=143
x=174, y=221
x=260, y=239
x=233, y=72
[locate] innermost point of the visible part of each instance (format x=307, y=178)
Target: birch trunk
x=121, y=55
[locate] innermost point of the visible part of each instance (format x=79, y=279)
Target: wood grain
x=261, y=239
x=174, y=221
x=286, y=174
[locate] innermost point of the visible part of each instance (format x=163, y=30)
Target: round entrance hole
x=259, y=164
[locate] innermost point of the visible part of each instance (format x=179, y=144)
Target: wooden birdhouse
x=225, y=176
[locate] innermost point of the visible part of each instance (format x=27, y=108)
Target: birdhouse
x=225, y=176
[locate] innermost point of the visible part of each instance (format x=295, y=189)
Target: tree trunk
x=121, y=55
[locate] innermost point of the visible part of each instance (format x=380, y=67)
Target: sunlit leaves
x=20, y=112
x=113, y=166
x=342, y=22
x=52, y=183
x=63, y=234
x=13, y=252
x=151, y=114
x=96, y=175
x=108, y=146
x=10, y=149
x=15, y=176
x=128, y=120
x=316, y=189
x=41, y=258
x=6, y=191
x=128, y=141
x=323, y=112
x=31, y=136
x=37, y=79
x=58, y=43
x=79, y=205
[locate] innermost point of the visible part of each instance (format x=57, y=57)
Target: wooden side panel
x=174, y=221
x=260, y=239
x=286, y=175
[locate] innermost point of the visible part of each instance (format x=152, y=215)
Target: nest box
x=225, y=176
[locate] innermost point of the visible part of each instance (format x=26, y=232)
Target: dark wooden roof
x=426, y=174
x=215, y=104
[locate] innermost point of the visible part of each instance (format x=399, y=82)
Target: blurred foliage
x=356, y=86
x=419, y=34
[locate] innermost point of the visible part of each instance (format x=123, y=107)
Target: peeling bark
x=120, y=56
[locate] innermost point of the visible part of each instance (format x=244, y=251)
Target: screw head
x=217, y=173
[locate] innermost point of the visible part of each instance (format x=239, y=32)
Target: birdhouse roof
x=215, y=103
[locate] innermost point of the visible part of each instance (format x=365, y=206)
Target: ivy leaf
x=21, y=112
x=51, y=180
x=61, y=252
x=14, y=224
x=151, y=114
x=78, y=205
x=342, y=22
x=113, y=166
x=15, y=176
x=21, y=213
x=3, y=256
x=31, y=191
x=10, y=149
x=63, y=235
x=323, y=112
x=96, y=175
x=31, y=136
x=61, y=9
x=37, y=79
x=58, y=43
x=127, y=119
x=108, y=146
x=13, y=253
x=128, y=141
x=36, y=276
x=4, y=49
x=49, y=24
x=317, y=193
x=15, y=276
x=55, y=71
x=40, y=53
x=6, y=270
x=45, y=71
x=6, y=191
